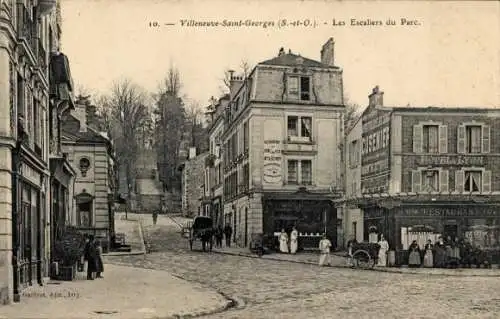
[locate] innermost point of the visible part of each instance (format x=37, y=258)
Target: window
x=246, y=136
x=431, y=138
x=293, y=171
x=299, y=87
x=430, y=181
x=354, y=157
x=300, y=127
x=472, y=181
x=473, y=139
x=306, y=172
x=300, y=172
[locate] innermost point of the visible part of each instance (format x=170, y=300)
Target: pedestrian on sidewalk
x=155, y=217
x=99, y=264
x=283, y=239
x=90, y=257
x=219, y=233
x=294, y=240
x=382, y=252
x=324, y=250
x=414, y=257
x=228, y=231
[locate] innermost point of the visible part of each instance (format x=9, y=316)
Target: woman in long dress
x=440, y=252
x=382, y=252
x=283, y=242
x=414, y=258
x=294, y=241
x=428, y=257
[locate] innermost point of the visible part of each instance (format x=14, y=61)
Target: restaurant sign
x=450, y=160
x=449, y=212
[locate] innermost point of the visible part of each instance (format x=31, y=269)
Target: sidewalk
x=132, y=229
x=125, y=292
x=338, y=260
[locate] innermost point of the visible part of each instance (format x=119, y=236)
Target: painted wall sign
x=450, y=160
x=272, y=168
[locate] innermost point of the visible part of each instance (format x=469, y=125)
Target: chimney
x=192, y=152
x=235, y=83
x=328, y=53
x=376, y=98
x=80, y=113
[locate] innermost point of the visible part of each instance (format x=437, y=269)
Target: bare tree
x=351, y=115
x=245, y=69
x=197, y=131
x=125, y=110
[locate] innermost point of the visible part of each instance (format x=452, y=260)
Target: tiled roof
x=290, y=59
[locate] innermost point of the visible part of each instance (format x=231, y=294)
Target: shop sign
x=450, y=160
x=272, y=169
x=448, y=212
x=30, y=174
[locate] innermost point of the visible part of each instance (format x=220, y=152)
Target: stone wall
x=193, y=177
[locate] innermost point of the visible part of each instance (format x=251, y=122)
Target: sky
x=451, y=58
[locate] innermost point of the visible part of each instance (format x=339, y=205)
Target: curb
x=117, y=254
x=230, y=302
x=390, y=270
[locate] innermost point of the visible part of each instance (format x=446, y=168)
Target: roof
x=291, y=59
x=71, y=132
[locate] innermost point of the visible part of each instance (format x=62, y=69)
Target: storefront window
x=483, y=233
x=420, y=233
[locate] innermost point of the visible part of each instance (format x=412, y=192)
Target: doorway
x=450, y=230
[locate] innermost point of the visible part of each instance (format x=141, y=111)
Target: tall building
x=428, y=172
x=35, y=89
x=281, y=148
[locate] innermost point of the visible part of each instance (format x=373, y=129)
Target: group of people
x=289, y=244
x=92, y=254
x=220, y=233
x=445, y=253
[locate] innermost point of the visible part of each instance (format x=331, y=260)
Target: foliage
x=351, y=115
x=69, y=248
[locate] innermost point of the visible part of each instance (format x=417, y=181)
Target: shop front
x=474, y=220
x=28, y=221
x=312, y=214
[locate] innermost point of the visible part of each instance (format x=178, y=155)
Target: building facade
x=35, y=84
x=352, y=215
x=430, y=172
x=281, y=155
x=91, y=155
x=214, y=176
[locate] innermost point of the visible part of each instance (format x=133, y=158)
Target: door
x=450, y=230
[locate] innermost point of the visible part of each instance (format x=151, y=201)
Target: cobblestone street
x=273, y=289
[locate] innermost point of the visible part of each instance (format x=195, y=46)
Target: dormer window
x=299, y=87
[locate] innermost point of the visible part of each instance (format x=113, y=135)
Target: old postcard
x=249, y=159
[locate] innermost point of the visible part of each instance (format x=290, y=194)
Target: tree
x=125, y=112
x=351, y=115
x=169, y=129
x=198, y=133
x=245, y=71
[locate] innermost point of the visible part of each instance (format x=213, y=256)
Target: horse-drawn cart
x=364, y=255
x=201, y=228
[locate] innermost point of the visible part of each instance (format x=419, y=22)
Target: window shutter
x=416, y=181
x=486, y=181
x=443, y=181
x=486, y=138
x=418, y=133
x=461, y=139
x=443, y=139
x=459, y=181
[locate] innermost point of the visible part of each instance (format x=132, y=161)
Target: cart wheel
x=190, y=244
x=362, y=259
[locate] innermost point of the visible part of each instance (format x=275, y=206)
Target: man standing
x=228, y=231
x=155, y=217
x=90, y=256
x=324, y=250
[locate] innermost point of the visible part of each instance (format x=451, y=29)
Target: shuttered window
x=472, y=181
x=430, y=137
x=473, y=138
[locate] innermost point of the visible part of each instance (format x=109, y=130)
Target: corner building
x=281, y=148
x=428, y=172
